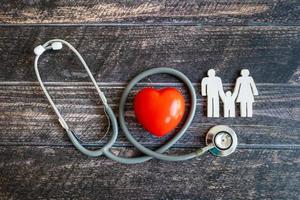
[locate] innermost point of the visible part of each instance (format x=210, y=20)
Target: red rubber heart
x=159, y=111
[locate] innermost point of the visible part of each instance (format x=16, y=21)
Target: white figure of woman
x=245, y=90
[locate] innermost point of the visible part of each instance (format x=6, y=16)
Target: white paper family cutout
x=244, y=92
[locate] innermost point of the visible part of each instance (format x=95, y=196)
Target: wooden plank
x=54, y=172
x=216, y=12
x=116, y=54
x=27, y=118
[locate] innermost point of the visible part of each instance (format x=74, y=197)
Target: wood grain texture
x=27, y=118
x=115, y=54
x=119, y=39
x=57, y=173
x=207, y=12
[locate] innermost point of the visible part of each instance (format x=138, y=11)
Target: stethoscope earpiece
x=39, y=50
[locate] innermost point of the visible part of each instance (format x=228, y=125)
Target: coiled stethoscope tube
x=159, y=152
x=220, y=140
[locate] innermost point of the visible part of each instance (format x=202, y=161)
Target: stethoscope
x=220, y=140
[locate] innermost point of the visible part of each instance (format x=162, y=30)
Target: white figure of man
x=212, y=87
x=229, y=104
x=245, y=90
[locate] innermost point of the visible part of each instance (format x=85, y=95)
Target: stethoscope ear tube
x=220, y=140
x=57, y=44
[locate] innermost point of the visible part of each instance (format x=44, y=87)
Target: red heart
x=159, y=111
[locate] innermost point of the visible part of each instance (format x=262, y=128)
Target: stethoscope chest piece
x=223, y=139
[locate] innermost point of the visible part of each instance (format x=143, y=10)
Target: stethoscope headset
x=220, y=140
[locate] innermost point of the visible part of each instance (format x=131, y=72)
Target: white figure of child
x=229, y=104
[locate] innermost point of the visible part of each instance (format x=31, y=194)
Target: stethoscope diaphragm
x=224, y=140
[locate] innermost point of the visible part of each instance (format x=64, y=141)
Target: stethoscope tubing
x=71, y=134
x=106, y=149
x=159, y=153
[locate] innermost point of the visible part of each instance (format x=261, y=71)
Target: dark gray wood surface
x=33, y=172
x=116, y=54
x=25, y=108
x=205, y=12
x=120, y=39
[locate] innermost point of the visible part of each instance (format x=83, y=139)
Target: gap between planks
x=240, y=146
x=254, y=24
x=123, y=84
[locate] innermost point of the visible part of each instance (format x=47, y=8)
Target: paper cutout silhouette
x=212, y=87
x=244, y=92
x=229, y=104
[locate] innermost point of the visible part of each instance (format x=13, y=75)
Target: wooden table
x=120, y=39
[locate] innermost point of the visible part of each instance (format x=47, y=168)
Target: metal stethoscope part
x=223, y=139
x=220, y=140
